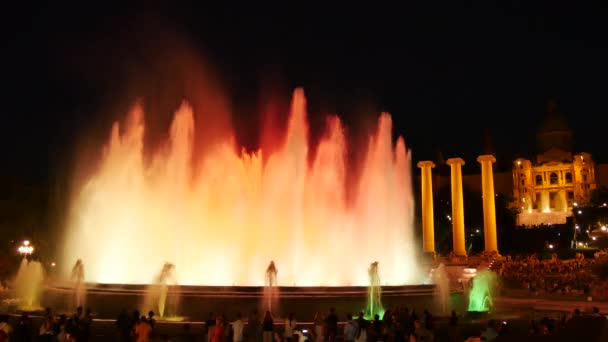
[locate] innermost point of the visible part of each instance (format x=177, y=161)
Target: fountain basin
x=477, y=315
x=107, y=300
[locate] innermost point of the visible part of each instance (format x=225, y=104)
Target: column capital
x=426, y=163
x=486, y=157
x=455, y=161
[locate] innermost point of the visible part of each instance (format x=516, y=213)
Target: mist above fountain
x=221, y=218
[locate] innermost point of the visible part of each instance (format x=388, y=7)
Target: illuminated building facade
x=546, y=190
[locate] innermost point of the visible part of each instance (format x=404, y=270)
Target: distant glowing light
x=603, y=228
x=25, y=248
x=580, y=211
x=53, y=264
x=594, y=238
x=575, y=204
x=550, y=246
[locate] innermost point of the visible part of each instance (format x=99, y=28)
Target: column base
x=429, y=255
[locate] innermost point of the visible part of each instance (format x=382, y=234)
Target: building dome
x=554, y=132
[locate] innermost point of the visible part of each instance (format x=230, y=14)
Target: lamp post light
x=26, y=249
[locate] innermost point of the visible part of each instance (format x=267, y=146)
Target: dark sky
x=71, y=71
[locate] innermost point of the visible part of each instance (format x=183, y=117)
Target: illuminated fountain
x=222, y=214
x=374, y=294
x=157, y=295
x=440, y=278
x=271, y=291
x=78, y=281
x=28, y=285
x=481, y=294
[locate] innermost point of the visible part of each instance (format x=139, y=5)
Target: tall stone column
x=489, y=206
x=428, y=224
x=457, y=206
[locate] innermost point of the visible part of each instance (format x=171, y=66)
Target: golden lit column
x=428, y=225
x=457, y=206
x=489, y=207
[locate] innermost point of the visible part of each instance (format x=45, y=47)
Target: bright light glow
x=594, y=238
x=604, y=228
x=25, y=248
x=575, y=204
x=580, y=243
x=580, y=211
x=519, y=162
x=222, y=214
x=551, y=246
x=53, y=264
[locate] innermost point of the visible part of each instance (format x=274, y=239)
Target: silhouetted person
x=186, y=335
x=143, y=330
x=267, y=328
x=123, y=324
x=332, y=325
x=24, y=329
x=253, y=327
x=209, y=323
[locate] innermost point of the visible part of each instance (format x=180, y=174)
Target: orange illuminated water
x=222, y=222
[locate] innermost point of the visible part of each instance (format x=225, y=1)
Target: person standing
x=219, y=332
x=350, y=329
x=267, y=328
x=331, y=321
x=237, y=328
x=290, y=327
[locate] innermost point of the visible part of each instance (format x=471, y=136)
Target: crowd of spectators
x=551, y=276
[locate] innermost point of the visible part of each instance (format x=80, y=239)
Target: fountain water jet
x=374, y=294
x=78, y=283
x=28, y=285
x=482, y=292
x=440, y=278
x=157, y=295
x=193, y=211
x=271, y=291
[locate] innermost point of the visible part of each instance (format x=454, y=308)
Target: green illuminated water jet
x=480, y=297
x=374, y=294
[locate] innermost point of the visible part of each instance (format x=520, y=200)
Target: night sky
x=70, y=72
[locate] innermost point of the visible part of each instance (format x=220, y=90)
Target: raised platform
x=196, y=302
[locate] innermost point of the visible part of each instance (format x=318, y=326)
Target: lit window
x=553, y=178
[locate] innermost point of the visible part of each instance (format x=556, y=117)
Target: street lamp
x=26, y=248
